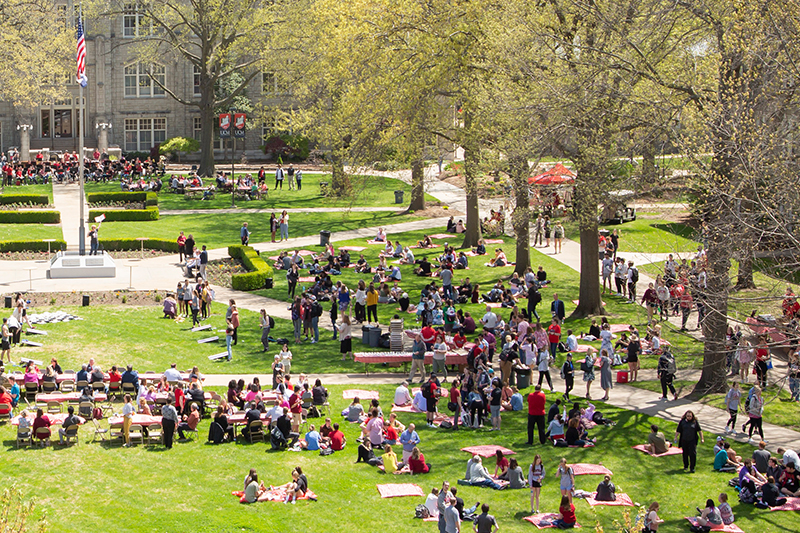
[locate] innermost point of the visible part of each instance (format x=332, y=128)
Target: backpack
x=271, y=322
x=427, y=390
x=446, y=424
x=634, y=275
x=316, y=309
x=535, y=296
x=672, y=368
x=420, y=511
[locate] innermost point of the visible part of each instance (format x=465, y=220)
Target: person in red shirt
x=338, y=440
x=686, y=307
x=389, y=434
x=566, y=512
x=459, y=340
x=762, y=357
x=41, y=421
x=536, y=414
x=417, y=462
x=428, y=336
x=296, y=407
x=455, y=401
x=554, y=336
x=5, y=399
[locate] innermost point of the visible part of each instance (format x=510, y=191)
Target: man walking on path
x=244, y=234
x=536, y=414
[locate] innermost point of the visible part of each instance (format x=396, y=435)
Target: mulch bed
x=134, y=298
x=42, y=256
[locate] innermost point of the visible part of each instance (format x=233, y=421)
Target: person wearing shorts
x=495, y=403
x=567, y=476
x=5, y=342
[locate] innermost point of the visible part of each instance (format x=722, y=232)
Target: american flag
x=81, y=76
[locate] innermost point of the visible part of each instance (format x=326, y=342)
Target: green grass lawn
x=46, y=188
x=147, y=488
x=778, y=409
x=369, y=191
x=647, y=235
x=217, y=231
x=141, y=337
x=18, y=232
x=563, y=280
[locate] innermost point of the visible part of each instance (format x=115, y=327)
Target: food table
x=451, y=358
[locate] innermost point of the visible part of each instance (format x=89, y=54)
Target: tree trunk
x=585, y=207
x=522, y=213
x=649, y=163
x=744, y=279
x=473, y=233
x=207, y=166
x=340, y=181
x=417, y=185
x=713, y=377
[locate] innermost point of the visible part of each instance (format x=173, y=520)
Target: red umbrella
x=555, y=176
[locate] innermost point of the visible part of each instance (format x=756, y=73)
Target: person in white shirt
x=401, y=395
x=489, y=320
x=420, y=403
x=275, y=413
x=172, y=373
x=432, y=503
x=572, y=342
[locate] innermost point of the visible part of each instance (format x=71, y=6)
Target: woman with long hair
x=536, y=475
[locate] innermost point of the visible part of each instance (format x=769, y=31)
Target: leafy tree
x=176, y=145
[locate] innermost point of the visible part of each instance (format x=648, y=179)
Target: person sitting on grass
x=312, y=440
x=417, y=464
x=389, y=460
x=480, y=249
x=170, y=306
x=566, y=514
x=577, y=436
x=424, y=268
x=499, y=259
x=656, y=442
x=514, y=475
x=297, y=487
x=501, y=466
x=252, y=488
x=725, y=510
x=355, y=411
x=709, y=518
x=606, y=491
x=723, y=461
x=749, y=477
x=425, y=242
x=366, y=454
x=790, y=483
x=477, y=475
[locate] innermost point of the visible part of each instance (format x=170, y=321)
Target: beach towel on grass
x=307, y=279
x=622, y=500
x=405, y=409
x=792, y=504
x=487, y=450
x=442, y=236
x=373, y=241
x=416, y=246
x=353, y=248
x=275, y=494
x=397, y=490
x=671, y=451
x=492, y=241
x=349, y=394
x=730, y=528
x=544, y=520
x=584, y=469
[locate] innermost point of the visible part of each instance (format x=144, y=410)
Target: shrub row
x=33, y=199
x=118, y=245
x=30, y=217
x=259, y=273
x=127, y=215
x=150, y=198
x=31, y=246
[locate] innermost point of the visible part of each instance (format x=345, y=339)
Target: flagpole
x=81, y=133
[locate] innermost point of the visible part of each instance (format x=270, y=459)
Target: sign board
x=224, y=125
x=238, y=125
x=100, y=218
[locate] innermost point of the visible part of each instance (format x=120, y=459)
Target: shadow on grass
x=681, y=230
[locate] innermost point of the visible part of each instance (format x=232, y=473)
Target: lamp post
x=102, y=136
x=233, y=176
x=25, y=141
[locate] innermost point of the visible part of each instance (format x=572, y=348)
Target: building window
x=196, y=78
x=276, y=126
x=141, y=134
x=133, y=21
x=138, y=83
x=60, y=120
x=269, y=83
x=197, y=132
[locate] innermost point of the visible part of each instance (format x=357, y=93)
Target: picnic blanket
x=353, y=248
x=622, y=500
x=792, y=504
x=582, y=348
x=544, y=520
x=583, y=469
x=494, y=304
x=511, y=264
x=373, y=241
x=426, y=247
x=674, y=450
x=405, y=409
x=307, y=279
x=492, y=241
x=275, y=494
x=349, y=394
x=442, y=236
x=731, y=528
x=619, y=328
x=487, y=450
x=396, y=490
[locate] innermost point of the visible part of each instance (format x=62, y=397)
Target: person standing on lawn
x=6, y=341
x=244, y=233
x=279, y=177
x=417, y=359
x=536, y=414
x=686, y=437
x=557, y=308
x=169, y=421
x=181, y=247
x=290, y=175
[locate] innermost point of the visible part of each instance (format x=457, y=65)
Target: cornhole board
x=34, y=361
x=208, y=339
x=202, y=328
x=34, y=331
x=26, y=342
x=217, y=356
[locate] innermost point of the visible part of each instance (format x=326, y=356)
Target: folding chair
x=136, y=434
x=43, y=434
x=24, y=438
x=71, y=434
x=53, y=408
x=48, y=386
x=99, y=431
x=154, y=434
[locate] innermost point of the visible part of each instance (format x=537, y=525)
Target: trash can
x=86, y=300
x=523, y=377
x=365, y=335
x=268, y=283
x=324, y=237
x=374, y=337
x=9, y=302
x=398, y=197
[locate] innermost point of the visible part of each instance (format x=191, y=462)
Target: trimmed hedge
x=34, y=199
x=259, y=273
x=150, y=198
x=31, y=246
x=30, y=217
x=127, y=215
x=118, y=245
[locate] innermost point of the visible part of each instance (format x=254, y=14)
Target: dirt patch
x=435, y=210
x=50, y=299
